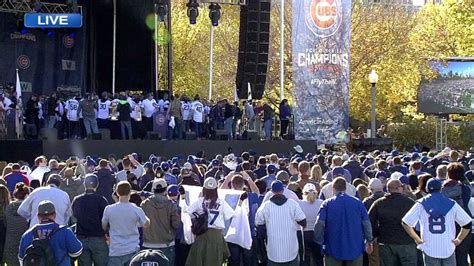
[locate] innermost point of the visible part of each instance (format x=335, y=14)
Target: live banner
x=321, y=57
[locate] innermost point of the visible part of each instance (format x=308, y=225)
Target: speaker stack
x=253, y=48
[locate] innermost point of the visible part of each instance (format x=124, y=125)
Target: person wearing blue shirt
x=63, y=243
x=342, y=227
x=270, y=177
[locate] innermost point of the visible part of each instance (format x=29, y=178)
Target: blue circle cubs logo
x=23, y=61
x=323, y=17
x=68, y=41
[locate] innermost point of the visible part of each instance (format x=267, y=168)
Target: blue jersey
x=343, y=234
x=63, y=243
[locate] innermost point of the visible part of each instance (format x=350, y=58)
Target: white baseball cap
x=210, y=183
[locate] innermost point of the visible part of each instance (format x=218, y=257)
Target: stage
x=14, y=150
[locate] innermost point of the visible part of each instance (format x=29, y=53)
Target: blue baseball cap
x=434, y=184
x=271, y=168
x=277, y=186
x=381, y=175
x=173, y=190
x=165, y=166
x=215, y=163
x=338, y=171
x=148, y=165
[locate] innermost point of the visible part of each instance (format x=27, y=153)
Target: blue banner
x=321, y=57
x=47, y=59
x=42, y=20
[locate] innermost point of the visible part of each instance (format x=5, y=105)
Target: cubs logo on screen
x=323, y=17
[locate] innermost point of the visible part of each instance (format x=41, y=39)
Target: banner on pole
x=321, y=57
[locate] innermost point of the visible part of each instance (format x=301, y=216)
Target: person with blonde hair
x=316, y=173
x=310, y=206
x=363, y=192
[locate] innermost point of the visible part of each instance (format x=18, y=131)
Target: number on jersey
x=437, y=226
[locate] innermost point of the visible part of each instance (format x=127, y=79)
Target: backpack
x=199, y=222
x=39, y=253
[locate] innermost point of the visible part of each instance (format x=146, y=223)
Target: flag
x=18, y=86
x=249, y=91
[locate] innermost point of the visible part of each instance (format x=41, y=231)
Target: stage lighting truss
x=214, y=13
x=161, y=9
x=224, y=2
x=28, y=6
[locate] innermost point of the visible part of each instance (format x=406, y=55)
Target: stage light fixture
x=193, y=11
x=161, y=8
x=214, y=13
x=36, y=5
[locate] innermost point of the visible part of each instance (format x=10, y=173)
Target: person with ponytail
x=310, y=204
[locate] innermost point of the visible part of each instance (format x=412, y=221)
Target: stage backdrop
x=321, y=43
x=45, y=63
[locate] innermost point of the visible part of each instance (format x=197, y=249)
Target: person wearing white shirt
x=103, y=112
x=197, y=110
x=437, y=215
x=327, y=191
x=72, y=115
x=29, y=207
x=186, y=106
x=130, y=165
x=149, y=108
x=210, y=247
x=282, y=218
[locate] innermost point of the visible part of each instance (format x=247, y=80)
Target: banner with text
x=321, y=57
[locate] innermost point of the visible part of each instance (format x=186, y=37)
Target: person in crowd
x=88, y=108
x=376, y=192
x=395, y=245
x=343, y=226
x=15, y=226
x=457, y=189
x=210, y=248
x=15, y=177
x=285, y=116
x=437, y=215
x=270, y=177
x=338, y=170
x=29, y=207
x=281, y=218
x=148, y=176
x=106, y=181
x=470, y=172
x=362, y=192
x=197, y=111
x=327, y=191
x=398, y=166
x=310, y=205
x=283, y=177
x=164, y=222
x=442, y=172
x=268, y=114
x=61, y=240
x=353, y=166
x=73, y=115
x=4, y=203
x=88, y=209
x=53, y=169
x=72, y=182
x=422, y=181
x=150, y=257
x=261, y=170
x=304, y=174
x=121, y=221
x=130, y=165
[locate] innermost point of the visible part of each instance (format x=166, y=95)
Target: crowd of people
x=132, y=116
x=327, y=208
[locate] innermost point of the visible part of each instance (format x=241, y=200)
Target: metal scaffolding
x=27, y=6
x=441, y=133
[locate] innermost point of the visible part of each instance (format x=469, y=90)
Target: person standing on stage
x=72, y=115
x=176, y=111
x=186, y=106
x=124, y=110
x=197, y=110
x=103, y=111
x=149, y=108
x=88, y=108
x=267, y=120
x=51, y=104
x=285, y=116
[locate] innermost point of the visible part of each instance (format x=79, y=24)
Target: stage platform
x=14, y=150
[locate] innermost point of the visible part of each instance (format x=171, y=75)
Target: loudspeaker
x=221, y=134
x=250, y=135
x=253, y=48
x=49, y=133
x=190, y=136
x=152, y=135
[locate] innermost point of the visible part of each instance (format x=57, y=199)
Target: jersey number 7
x=214, y=217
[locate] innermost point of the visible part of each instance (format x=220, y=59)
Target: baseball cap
x=173, y=190
x=338, y=171
x=277, y=186
x=375, y=184
x=165, y=166
x=215, y=163
x=471, y=162
x=91, y=181
x=309, y=188
x=381, y=175
x=159, y=183
x=148, y=165
x=46, y=207
x=298, y=148
x=210, y=183
x=271, y=168
x=188, y=166
x=283, y=176
x=433, y=184
x=149, y=257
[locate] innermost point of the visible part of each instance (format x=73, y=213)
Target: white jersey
x=72, y=107
x=103, y=111
x=59, y=111
x=186, y=110
x=163, y=105
x=6, y=103
x=40, y=111
x=437, y=234
x=198, y=111
x=135, y=107
x=217, y=216
x=149, y=107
